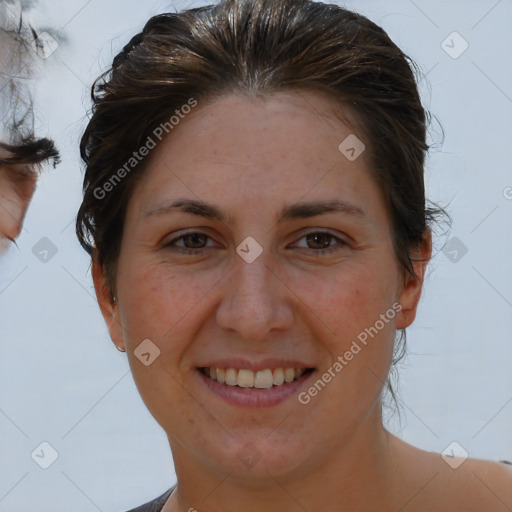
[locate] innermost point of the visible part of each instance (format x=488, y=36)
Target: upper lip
x=241, y=363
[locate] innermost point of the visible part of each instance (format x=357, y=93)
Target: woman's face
x=254, y=243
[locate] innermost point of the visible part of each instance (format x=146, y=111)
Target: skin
x=17, y=182
x=250, y=158
x=17, y=185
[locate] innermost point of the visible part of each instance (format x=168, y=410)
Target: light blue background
x=63, y=382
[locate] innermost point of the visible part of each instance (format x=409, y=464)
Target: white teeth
x=221, y=375
x=245, y=378
x=231, y=377
x=278, y=378
x=289, y=374
x=262, y=379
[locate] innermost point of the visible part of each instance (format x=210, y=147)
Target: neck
x=360, y=474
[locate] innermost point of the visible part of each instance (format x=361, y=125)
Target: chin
x=256, y=460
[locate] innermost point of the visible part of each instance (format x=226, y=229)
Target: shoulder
x=480, y=485
x=440, y=483
x=496, y=477
x=155, y=505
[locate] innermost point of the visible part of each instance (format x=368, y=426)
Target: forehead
x=279, y=120
x=281, y=131
x=257, y=149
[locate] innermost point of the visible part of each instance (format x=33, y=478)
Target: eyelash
x=316, y=252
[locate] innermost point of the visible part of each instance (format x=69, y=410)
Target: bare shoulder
x=496, y=477
x=478, y=485
x=447, y=484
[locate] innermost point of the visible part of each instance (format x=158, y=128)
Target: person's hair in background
x=255, y=49
x=165, y=65
x=21, y=152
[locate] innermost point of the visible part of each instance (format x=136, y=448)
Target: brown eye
x=319, y=240
x=194, y=240
x=320, y=243
x=191, y=243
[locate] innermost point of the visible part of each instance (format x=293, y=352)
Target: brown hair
x=255, y=47
x=20, y=147
x=29, y=151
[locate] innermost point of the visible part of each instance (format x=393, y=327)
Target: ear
x=109, y=307
x=410, y=293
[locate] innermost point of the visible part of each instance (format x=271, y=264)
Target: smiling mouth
x=262, y=379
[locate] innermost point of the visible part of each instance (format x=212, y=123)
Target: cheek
x=347, y=300
x=157, y=300
x=158, y=303
x=347, y=308
x=15, y=195
x=358, y=332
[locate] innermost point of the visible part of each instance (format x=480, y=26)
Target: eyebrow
x=294, y=211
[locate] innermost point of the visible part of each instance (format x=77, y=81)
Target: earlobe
x=411, y=291
x=108, y=306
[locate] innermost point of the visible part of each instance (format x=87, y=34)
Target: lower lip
x=255, y=397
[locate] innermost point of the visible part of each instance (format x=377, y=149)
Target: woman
x=255, y=211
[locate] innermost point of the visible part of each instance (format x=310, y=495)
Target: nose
x=255, y=302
